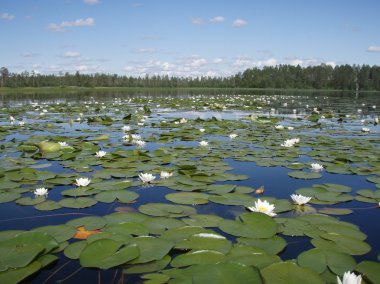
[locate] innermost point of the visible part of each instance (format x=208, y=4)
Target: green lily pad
x=77, y=203
x=370, y=270
x=90, y=223
x=48, y=205
x=74, y=250
x=203, y=220
x=16, y=275
x=16, y=256
x=60, y=233
x=198, y=257
x=188, y=198
x=123, y=196
x=151, y=248
x=273, y=245
x=107, y=253
x=287, y=272
x=152, y=266
x=205, y=241
x=128, y=228
x=162, y=209
x=304, y=175
x=250, y=225
x=8, y=196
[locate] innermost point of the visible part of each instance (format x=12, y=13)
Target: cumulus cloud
x=91, y=2
x=238, y=23
x=373, y=48
x=88, y=22
x=197, y=21
x=149, y=67
x=305, y=62
x=217, y=19
x=71, y=54
x=6, y=16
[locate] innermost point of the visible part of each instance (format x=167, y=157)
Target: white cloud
x=88, y=22
x=197, y=21
x=238, y=23
x=193, y=61
x=217, y=19
x=91, y=2
x=331, y=63
x=144, y=50
x=218, y=60
x=6, y=16
x=373, y=48
x=150, y=67
x=71, y=54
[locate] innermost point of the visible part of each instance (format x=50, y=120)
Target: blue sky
x=185, y=37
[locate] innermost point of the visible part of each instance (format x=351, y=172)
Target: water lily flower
x=288, y=143
x=21, y=123
x=183, y=120
x=126, y=128
x=279, y=127
x=146, y=177
x=350, y=278
x=40, y=192
x=165, y=175
x=135, y=136
x=290, y=128
x=82, y=181
x=316, y=167
x=100, y=154
x=263, y=207
x=12, y=119
x=365, y=129
x=140, y=143
x=233, y=136
x=300, y=199
x=63, y=144
x=202, y=130
x=203, y=143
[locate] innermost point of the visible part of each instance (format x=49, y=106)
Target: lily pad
x=188, y=198
x=77, y=203
x=107, y=253
x=304, y=175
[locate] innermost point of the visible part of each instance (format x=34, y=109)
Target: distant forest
x=342, y=77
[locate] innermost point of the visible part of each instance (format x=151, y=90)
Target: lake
x=189, y=186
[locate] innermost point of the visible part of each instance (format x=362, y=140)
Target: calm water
x=288, y=106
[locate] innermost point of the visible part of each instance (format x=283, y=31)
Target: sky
x=185, y=37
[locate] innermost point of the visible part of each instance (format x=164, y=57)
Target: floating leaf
x=107, y=253
x=304, y=175
x=198, y=257
x=188, y=198
x=80, y=202
x=287, y=272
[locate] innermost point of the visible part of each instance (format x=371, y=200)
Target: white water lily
x=21, y=123
x=290, y=128
x=350, y=278
x=202, y=129
x=146, y=177
x=300, y=199
x=12, y=119
x=183, y=120
x=139, y=143
x=365, y=129
x=100, y=154
x=134, y=136
x=203, y=143
x=165, y=175
x=41, y=191
x=82, y=181
x=279, y=127
x=290, y=142
x=126, y=128
x=316, y=167
x=263, y=207
x=63, y=144
x=233, y=136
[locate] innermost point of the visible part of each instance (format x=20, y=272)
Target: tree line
x=341, y=77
